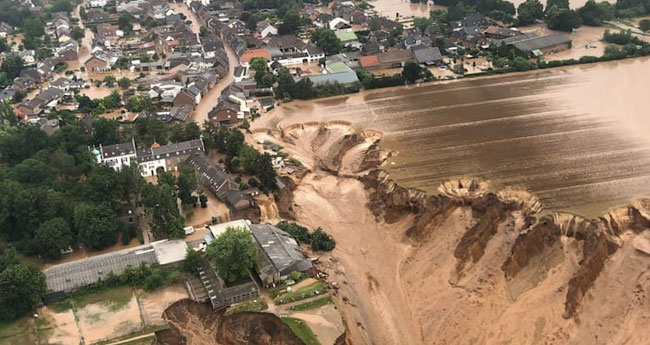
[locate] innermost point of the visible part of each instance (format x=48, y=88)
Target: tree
x=558, y=3
x=8, y=257
x=203, y=31
x=105, y=132
x=187, y=184
x=530, y=11
x=12, y=66
x=138, y=103
x=192, y=262
x=160, y=205
x=259, y=64
x=233, y=254
x=33, y=28
x=644, y=25
x=96, y=225
x=124, y=23
x=326, y=39
x=203, y=199
x=594, y=14
x=52, y=237
x=109, y=80
x=422, y=23
x=4, y=47
x=412, y=71
x=286, y=84
x=124, y=83
x=564, y=19
x=299, y=233
x=22, y=288
x=321, y=241
x=291, y=21
x=77, y=33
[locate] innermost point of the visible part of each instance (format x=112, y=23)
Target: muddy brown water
x=578, y=138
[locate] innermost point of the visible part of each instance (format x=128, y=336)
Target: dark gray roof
x=280, y=248
x=427, y=54
x=118, y=150
x=210, y=174
x=175, y=149
x=76, y=274
x=511, y=40
x=542, y=42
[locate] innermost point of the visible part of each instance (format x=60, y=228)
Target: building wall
x=118, y=162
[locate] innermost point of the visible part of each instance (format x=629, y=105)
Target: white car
x=188, y=230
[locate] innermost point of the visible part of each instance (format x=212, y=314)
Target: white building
x=97, y=3
x=116, y=156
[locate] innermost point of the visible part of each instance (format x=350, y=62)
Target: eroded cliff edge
x=543, y=274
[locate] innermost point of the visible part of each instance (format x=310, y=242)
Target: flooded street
x=579, y=138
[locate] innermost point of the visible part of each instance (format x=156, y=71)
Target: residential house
x=97, y=3
x=266, y=29
x=28, y=56
x=5, y=30
x=426, y=55
x=241, y=205
x=97, y=15
x=98, y=62
x=211, y=45
x=107, y=30
x=370, y=62
x=499, y=33
x=289, y=50
x=395, y=58
x=339, y=23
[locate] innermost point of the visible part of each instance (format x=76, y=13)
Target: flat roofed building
x=70, y=276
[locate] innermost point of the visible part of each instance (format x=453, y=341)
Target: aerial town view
x=324, y=172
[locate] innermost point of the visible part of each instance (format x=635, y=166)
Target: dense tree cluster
x=263, y=76
x=326, y=39
x=319, y=239
x=240, y=157
x=53, y=193
x=22, y=286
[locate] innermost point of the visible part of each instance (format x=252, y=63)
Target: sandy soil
x=394, y=291
x=100, y=321
x=59, y=328
x=154, y=303
x=325, y=321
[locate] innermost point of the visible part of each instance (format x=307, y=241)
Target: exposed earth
x=464, y=266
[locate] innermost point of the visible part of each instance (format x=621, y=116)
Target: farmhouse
x=540, y=45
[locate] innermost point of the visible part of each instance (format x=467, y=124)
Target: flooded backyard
x=579, y=138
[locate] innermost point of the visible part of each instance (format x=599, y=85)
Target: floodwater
x=572, y=3
x=578, y=138
x=405, y=8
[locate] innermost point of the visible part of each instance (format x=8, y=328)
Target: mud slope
x=197, y=324
x=465, y=266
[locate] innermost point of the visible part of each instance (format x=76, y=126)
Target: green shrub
x=321, y=241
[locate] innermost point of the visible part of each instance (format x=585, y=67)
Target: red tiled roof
x=369, y=61
x=255, y=53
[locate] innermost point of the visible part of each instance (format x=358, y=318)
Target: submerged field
x=578, y=138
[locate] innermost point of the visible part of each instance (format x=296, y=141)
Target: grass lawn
x=11, y=328
x=20, y=331
x=116, y=297
x=300, y=294
x=302, y=330
x=317, y=303
x=254, y=305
